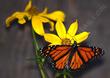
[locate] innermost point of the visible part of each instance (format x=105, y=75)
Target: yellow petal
x=28, y=6
x=69, y=36
x=17, y=15
x=61, y=30
x=45, y=20
x=56, y=15
x=51, y=38
x=73, y=28
x=37, y=25
x=44, y=12
x=52, y=25
x=55, y=44
x=9, y=20
x=21, y=21
x=81, y=37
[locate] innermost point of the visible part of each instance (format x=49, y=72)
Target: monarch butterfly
x=70, y=56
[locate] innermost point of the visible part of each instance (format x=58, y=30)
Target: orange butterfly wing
x=76, y=61
x=59, y=55
x=87, y=53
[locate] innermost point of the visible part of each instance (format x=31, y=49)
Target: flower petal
x=50, y=22
x=69, y=36
x=73, y=28
x=28, y=6
x=56, y=15
x=81, y=37
x=54, y=39
x=9, y=20
x=37, y=25
x=17, y=15
x=21, y=21
x=44, y=12
x=52, y=25
x=45, y=20
x=61, y=30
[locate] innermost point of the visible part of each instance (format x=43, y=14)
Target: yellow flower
x=66, y=38
x=37, y=18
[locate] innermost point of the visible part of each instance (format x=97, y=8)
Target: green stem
x=41, y=71
x=64, y=76
x=40, y=65
x=35, y=42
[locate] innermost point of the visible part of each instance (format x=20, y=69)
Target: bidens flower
x=66, y=38
x=37, y=18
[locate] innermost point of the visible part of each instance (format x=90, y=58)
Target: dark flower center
x=66, y=41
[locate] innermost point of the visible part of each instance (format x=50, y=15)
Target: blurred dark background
x=16, y=44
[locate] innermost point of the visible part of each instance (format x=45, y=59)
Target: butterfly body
x=70, y=56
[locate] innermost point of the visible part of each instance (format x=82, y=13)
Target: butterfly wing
x=59, y=55
x=83, y=55
x=76, y=61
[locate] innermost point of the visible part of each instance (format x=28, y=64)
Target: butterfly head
x=75, y=44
